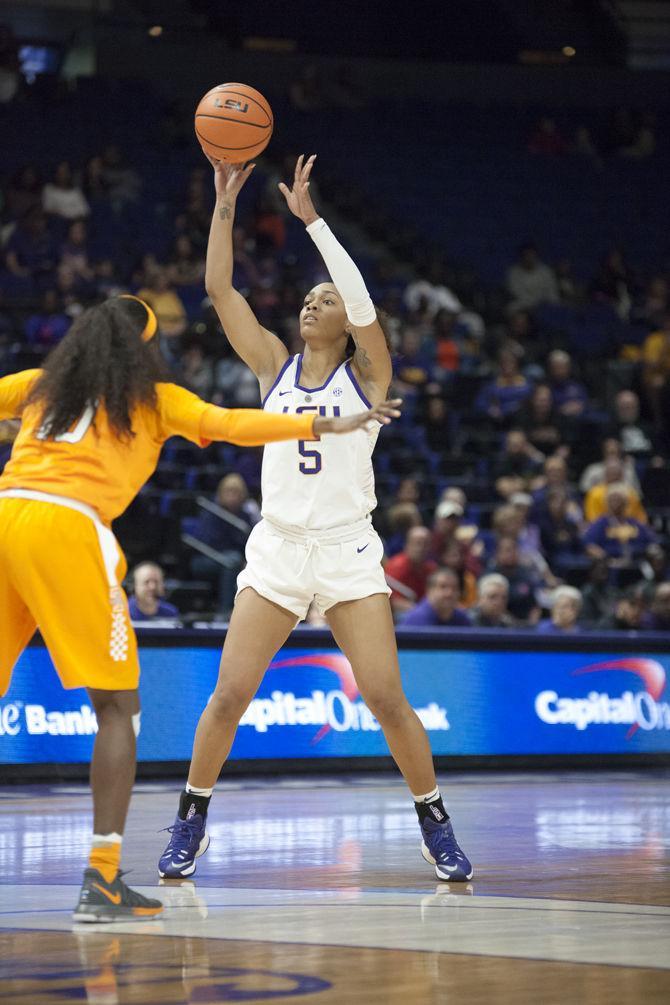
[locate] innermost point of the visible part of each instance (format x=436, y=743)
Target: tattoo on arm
x=225, y=211
x=362, y=357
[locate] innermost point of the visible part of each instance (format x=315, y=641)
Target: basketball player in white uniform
x=315, y=541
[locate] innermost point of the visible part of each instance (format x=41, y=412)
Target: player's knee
x=228, y=702
x=388, y=708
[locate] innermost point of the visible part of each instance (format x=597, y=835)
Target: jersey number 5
x=312, y=460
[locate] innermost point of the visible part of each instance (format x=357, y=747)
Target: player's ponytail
x=102, y=359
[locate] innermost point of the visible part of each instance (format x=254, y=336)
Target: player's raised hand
x=229, y=178
x=298, y=199
x=384, y=413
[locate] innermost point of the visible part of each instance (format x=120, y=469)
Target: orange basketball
x=233, y=122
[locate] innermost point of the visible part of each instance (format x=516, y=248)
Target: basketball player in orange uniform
x=93, y=424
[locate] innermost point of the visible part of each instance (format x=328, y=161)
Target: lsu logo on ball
x=231, y=105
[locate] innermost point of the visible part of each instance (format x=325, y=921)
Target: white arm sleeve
x=344, y=273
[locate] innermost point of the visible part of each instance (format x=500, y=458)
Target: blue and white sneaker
x=440, y=848
x=189, y=841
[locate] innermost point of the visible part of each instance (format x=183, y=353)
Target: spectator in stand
x=511, y=521
x=74, y=254
x=555, y=476
x=70, y=296
x=520, y=337
x=468, y=532
x=530, y=282
x=435, y=421
x=658, y=618
x=196, y=371
x=655, y=570
x=62, y=197
x=186, y=267
x=414, y=364
x=491, y=609
x=595, y=501
x=501, y=398
x=599, y=595
x=94, y=185
x=31, y=249
x=270, y=226
x=654, y=304
x=656, y=371
x=546, y=139
x=540, y=421
x=123, y=183
x=48, y=326
x=168, y=308
x=569, y=396
x=236, y=383
x=407, y=572
x=226, y=534
x=447, y=529
x=400, y=517
x=522, y=582
x=454, y=558
x=560, y=534
x=516, y=469
x=147, y=602
x=634, y=435
x=408, y=490
x=430, y=290
x=570, y=292
x=24, y=193
x=106, y=281
x=445, y=526
x=594, y=474
x=615, y=535
x=439, y=606
x=627, y=613
x=614, y=284
x=565, y=610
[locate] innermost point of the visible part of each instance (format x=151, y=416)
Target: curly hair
x=103, y=360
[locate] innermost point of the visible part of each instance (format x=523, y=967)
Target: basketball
x=233, y=122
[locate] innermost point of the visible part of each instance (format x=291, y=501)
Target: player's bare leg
x=104, y=896
x=113, y=762
x=258, y=629
x=363, y=629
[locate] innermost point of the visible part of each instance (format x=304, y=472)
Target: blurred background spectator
x=146, y=602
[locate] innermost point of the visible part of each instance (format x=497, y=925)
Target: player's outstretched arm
x=372, y=360
x=252, y=427
x=262, y=351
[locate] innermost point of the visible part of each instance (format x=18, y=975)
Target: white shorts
x=292, y=568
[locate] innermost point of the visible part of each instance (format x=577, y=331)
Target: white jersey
x=318, y=484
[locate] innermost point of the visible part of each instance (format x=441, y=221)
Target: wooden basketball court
x=314, y=890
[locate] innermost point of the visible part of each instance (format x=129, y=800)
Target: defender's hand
x=298, y=199
x=384, y=413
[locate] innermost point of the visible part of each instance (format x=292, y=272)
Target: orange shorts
x=60, y=570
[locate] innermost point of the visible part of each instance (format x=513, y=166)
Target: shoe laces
x=182, y=828
x=445, y=843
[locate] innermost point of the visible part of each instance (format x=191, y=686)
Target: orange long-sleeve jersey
x=92, y=464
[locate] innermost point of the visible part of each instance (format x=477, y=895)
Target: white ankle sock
x=194, y=791
x=429, y=796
